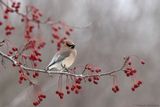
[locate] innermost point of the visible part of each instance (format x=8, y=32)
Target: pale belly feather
x=68, y=61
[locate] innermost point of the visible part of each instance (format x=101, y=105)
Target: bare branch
x=64, y=72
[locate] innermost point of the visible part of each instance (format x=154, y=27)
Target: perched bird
x=63, y=58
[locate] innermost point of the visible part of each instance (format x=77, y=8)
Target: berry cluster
x=28, y=30
x=35, y=56
x=57, y=32
x=136, y=85
x=35, y=74
x=22, y=76
x=35, y=13
x=16, y=6
x=92, y=68
x=130, y=71
x=12, y=51
x=9, y=29
x=6, y=13
x=60, y=94
x=93, y=79
x=68, y=31
x=39, y=99
x=75, y=87
x=115, y=88
x=59, y=42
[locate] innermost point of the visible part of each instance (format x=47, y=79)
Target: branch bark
x=65, y=72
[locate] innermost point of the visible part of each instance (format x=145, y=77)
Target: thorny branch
x=65, y=72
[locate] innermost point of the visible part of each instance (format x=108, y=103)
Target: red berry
x=61, y=93
x=55, y=29
x=142, y=62
x=73, y=87
x=67, y=87
x=80, y=79
x=79, y=87
x=8, y=33
x=21, y=78
x=129, y=63
x=95, y=82
x=92, y=70
x=89, y=79
x=134, y=71
x=114, y=90
x=67, y=33
x=35, y=103
x=128, y=74
x=28, y=73
x=13, y=65
x=131, y=73
x=133, y=89
x=139, y=82
x=98, y=70
x=42, y=96
x=68, y=92
x=14, y=49
x=5, y=17
x=135, y=86
x=40, y=60
x=61, y=97
x=76, y=91
x=1, y=23
x=10, y=52
x=57, y=92
x=40, y=99
x=126, y=71
x=55, y=36
x=117, y=88
x=36, y=74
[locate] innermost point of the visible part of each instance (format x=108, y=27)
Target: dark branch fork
x=65, y=72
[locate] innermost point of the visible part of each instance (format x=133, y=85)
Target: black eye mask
x=71, y=46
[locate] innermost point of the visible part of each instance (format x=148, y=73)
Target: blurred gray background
x=116, y=28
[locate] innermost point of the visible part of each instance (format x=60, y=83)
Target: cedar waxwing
x=63, y=58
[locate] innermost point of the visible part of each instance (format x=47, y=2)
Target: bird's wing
x=58, y=57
